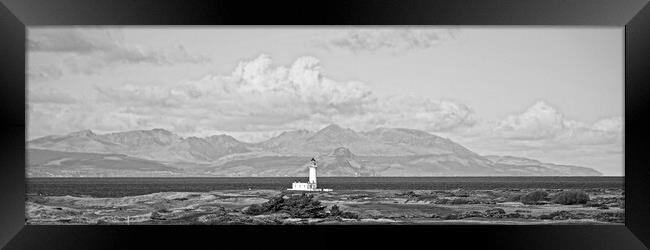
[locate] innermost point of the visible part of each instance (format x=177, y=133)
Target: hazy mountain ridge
x=378, y=142
x=155, y=144
x=47, y=163
x=340, y=152
x=513, y=162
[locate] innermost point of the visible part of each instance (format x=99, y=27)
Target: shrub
x=163, y=211
x=495, y=212
x=514, y=215
x=469, y=214
x=571, y=197
x=301, y=206
x=545, y=217
x=558, y=215
x=255, y=209
x=611, y=217
x=358, y=196
x=459, y=201
x=593, y=203
x=427, y=197
x=516, y=197
x=156, y=216
x=565, y=215
x=441, y=201
x=275, y=204
x=349, y=215
x=533, y=197
x=410, y=194
x=450, y=217
x=462, y=194
x=335, y=211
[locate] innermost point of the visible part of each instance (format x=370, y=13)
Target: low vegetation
x=571, y=197
x=335, y=211
x=459, y=201
x=298, y=206
x=281, y=207
x=531, y=198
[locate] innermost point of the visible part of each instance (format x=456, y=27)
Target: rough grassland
x=605, y=206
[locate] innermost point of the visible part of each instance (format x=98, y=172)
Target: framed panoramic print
x=493, y=124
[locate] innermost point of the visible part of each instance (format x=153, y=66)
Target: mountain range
x=339, y=151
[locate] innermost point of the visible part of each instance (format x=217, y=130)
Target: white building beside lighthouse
x=312, y=184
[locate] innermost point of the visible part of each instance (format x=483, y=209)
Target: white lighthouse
x=312, y=184
x=312, y=171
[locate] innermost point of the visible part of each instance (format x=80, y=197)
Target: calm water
x=117, y=187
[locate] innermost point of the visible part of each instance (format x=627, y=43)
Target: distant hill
x=46, y=163
x=340, y=152
x=155, y=144
x=525, y=166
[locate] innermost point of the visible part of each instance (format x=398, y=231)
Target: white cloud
x=612, y=124
x=42, y=73
x=542, y=132
x=258, y=100
x=415, y=112
x=537, y=122
x=389, y=39
x=88, y=51
x=49, y=95
x=603, y=132
x=258, y=97
x=545, y=124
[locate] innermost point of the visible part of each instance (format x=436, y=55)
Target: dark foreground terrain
x=457, y=206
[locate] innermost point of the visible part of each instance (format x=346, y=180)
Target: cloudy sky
x=548, y=93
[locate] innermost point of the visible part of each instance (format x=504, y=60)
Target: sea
x=120, y=187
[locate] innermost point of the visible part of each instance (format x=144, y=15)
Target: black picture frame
x=15, y=15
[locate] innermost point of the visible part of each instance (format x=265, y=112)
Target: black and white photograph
x=324, y=125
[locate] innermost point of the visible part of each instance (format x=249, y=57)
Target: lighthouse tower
x=311, y=185
x=312, y=172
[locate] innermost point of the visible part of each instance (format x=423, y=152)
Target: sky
x=553, y=94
